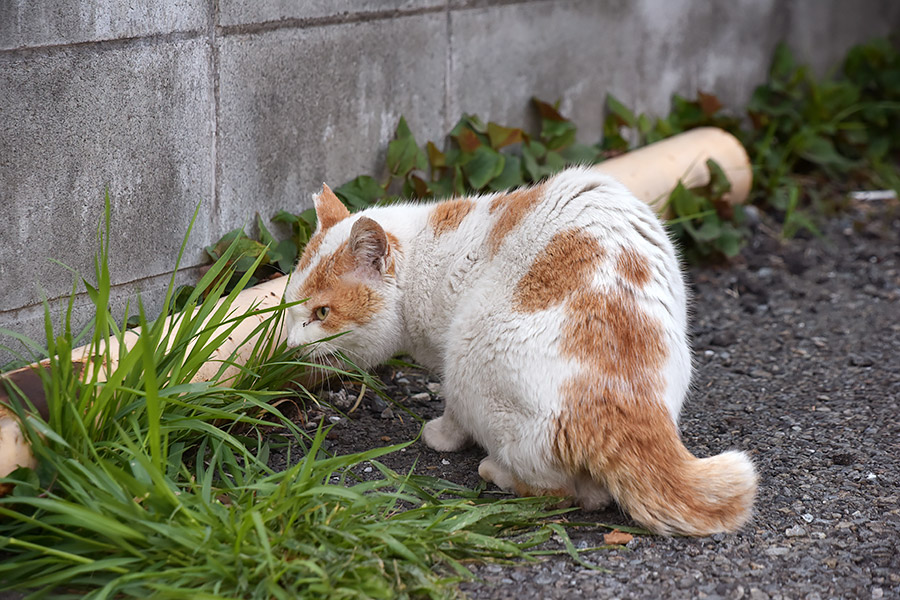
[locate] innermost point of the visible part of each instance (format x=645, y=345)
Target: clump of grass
x=150, y=484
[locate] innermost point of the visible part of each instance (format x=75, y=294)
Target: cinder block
x=136, y=120
x=299, y=107
x=29, y=321
x=239, y=12
x=577, y=52
x=821, y=36
x=27, y=23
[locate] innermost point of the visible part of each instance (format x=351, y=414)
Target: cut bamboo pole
x=651, y=173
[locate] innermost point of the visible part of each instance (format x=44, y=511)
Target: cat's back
x=576, y=230
x=575, y=269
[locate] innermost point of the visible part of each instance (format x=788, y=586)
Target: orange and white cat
x=556, y=318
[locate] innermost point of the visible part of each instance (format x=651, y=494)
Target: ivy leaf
x=403, y=153
x=622, y=113
x=558, y=134
x=554, y=162
x=284, y=255
x=531, y=152
x=581, y=154
x=510, y=177
x=729, y=242
x=486, y=164
x=820, y=150
x=361, y=192
x=435, y=157
x=684, y=201
x=264, y=235
x=710, y=230
x=718, y=182
x=500, y=136
x=783, y=65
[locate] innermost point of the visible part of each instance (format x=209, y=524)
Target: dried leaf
x=467, y=140
x=503, y=136
x=709, y=103
x=547, y=111
x=617, y=538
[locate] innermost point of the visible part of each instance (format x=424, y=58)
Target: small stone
x=758, y=594
x=543, y=579
x=795, y=531
x=877, y=592
x=387, y=413
x=871, y=476
x=807, y=517
x=334, y=419
x=777, y=551
x=434, y=388
x=422, y=397
x=444, y=461
x=367, y=470
x=378, y=404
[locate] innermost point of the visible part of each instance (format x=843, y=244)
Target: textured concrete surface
x=240, y=12
x=295, y=112
x=137, y=121
x=248, y=106
x=26, y=23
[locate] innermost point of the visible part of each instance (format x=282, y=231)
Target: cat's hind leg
x=444, y=434
x=492, y=472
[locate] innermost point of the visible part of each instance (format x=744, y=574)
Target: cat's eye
x=322, y=312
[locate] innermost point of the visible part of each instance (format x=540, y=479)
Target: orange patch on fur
x=632, y=447
x=614, y=425
x=312, y=246
x=611, y=334
x=561, y=268
x=350, y=302
x=515, y=206
x=633, y=267
x=447, y=216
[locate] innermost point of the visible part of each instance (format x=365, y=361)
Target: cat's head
x=347, y=274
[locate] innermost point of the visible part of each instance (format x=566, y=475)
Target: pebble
x=445, y=462
x=334, y=419
x=807, y=517
x=422, y=397
x=758, y=594
x=777, y=551
x=795, y=531
x=387, y=413
x=434, y=388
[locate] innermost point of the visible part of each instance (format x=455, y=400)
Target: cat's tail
x=667, y=489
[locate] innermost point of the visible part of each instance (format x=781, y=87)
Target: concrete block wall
x=245, y=106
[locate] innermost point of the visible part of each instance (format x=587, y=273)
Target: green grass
x=152, y=486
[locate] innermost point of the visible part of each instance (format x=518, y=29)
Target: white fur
x=450, y=307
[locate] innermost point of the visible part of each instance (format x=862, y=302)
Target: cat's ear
x=369, y=246
x=329, y=209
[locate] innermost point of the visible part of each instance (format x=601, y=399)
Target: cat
x=556, y=317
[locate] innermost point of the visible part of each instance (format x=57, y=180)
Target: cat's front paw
x=443, y=435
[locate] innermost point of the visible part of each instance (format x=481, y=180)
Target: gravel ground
x=796, y=345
